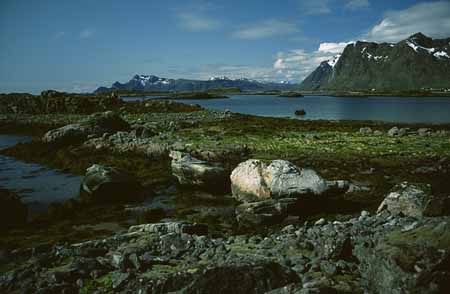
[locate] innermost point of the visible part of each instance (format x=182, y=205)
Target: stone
x=396, y=132
x=424, y=132
x=104, y=184
x=254, y=180
x=171, y=227
x=366, y=131
x=191, y=171
x=409, y=199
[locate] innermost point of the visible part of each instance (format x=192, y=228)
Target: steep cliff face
x=415, y=63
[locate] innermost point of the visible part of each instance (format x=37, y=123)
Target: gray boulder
x=366, y=131
x=396, y=132
x=254, y=180
x=191, y=171
x=104, y=184
x=411, y=199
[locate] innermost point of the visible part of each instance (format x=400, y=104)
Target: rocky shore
x=179, y=199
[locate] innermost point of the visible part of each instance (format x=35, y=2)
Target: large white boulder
x=254, y=180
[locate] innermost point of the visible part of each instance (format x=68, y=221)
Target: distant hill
x=149, y=83
x=415, y=63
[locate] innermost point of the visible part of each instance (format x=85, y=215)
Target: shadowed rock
x=104, y=184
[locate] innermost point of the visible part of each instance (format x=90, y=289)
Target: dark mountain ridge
x=416, y=63
x=148, y=83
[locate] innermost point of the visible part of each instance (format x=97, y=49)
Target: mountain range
x=149, y=83
x=415, y=63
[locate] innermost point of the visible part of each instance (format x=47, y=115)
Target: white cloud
x=86, y=33
x=430, y=18
x=265, y=29
x=334, y=48
x=313, y=7
x=357, y=4
x=297, y=64
x=195, y=22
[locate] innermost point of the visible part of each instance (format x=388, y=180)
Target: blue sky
x=79, y=45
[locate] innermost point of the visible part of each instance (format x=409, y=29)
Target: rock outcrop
x=96, y=124
x=104, y=184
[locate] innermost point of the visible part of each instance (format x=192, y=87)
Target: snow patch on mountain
x=332, y=62
x=441, y=54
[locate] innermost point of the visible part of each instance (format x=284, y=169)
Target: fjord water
x=37, y=185
x=388, y=109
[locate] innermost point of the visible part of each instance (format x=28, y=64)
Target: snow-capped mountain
x=415, y=63
x=154, y=83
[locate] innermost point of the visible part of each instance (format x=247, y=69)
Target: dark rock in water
x=103, y=184
x=412, y=199
x=96, y=124
x=300, y=112
x=12, y=211
x=194, y=172
x=291, y=95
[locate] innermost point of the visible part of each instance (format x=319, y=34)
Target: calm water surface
x=389, y=109
x=37, y=185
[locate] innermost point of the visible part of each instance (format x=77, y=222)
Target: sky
x=76, y=46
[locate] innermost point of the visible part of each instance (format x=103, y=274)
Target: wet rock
x=104, y=184
x=254, y=180
x=12, y=211
x=410, y=199
x=194, y=172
